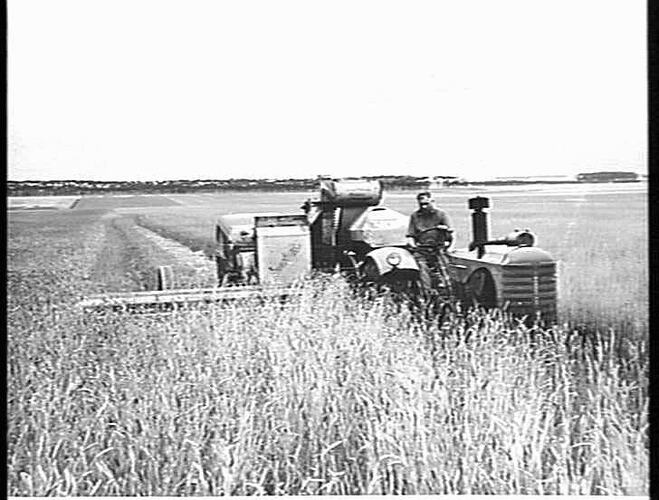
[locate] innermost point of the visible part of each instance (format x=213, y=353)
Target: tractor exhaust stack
x=479, y=224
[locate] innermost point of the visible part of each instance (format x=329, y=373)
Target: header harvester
x=348, y=229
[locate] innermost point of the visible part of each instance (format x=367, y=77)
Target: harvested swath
x=131, y=256
x=193, y=228
x=191, y=269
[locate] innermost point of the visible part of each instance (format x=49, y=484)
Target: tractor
x=348, y=230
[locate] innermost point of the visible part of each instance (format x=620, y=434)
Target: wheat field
x=330, y=393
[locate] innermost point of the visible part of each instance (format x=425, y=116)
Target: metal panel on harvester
x=283, y=248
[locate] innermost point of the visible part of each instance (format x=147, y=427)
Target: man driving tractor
x=429, y=231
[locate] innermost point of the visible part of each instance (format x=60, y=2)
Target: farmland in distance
x=332, y=394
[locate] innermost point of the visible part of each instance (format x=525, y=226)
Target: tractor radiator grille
x=529, y=289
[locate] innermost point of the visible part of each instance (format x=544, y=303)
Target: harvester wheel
x=369, y=271
x=165, y=278
x=399, y=284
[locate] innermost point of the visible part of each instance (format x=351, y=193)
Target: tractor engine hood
x=506, y=255
x=379, y=227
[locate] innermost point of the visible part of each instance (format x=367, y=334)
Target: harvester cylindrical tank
x=351, y=193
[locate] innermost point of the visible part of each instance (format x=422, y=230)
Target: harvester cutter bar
x=170, y=300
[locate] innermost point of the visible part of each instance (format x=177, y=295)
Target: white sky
x=155, y=89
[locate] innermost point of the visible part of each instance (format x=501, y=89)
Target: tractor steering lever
x=440, y=227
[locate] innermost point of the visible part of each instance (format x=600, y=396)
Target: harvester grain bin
x=348, y=229
x=262, y=248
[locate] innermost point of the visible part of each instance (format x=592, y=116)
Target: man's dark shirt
x=425, y=219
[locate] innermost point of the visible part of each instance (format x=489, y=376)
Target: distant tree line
x=608, y=177
x=81, y=187
x=389, y=182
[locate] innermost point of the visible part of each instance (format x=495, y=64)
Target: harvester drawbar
x=347, y=229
